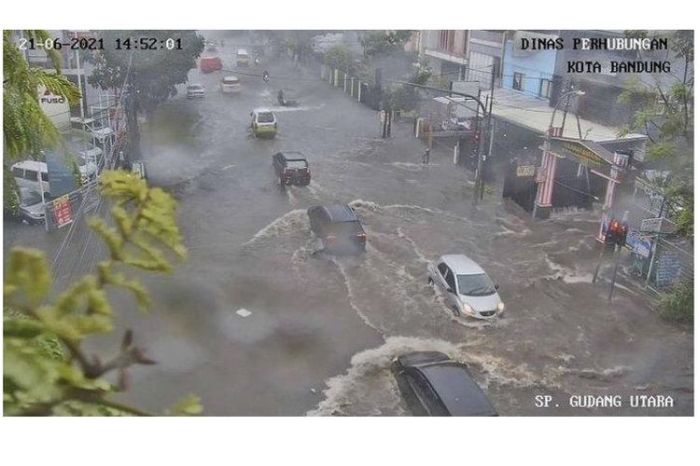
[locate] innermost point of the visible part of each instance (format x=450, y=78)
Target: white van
x=230, y=85
x=27, y=173
x=242, y=58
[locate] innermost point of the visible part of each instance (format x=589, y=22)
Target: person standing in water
x=426, y=156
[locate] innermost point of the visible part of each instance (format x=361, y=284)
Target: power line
x=57, y=264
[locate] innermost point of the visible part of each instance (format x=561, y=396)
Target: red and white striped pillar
x=545, y=187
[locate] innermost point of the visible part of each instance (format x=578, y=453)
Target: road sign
x=651, y=225
x=525, y=170
x=62, y=211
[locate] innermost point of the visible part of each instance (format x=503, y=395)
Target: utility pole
x=382, y=104
x=489, y=126
x=478, y=179
x=134, y=152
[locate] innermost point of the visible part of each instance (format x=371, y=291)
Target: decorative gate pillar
x=545, y=185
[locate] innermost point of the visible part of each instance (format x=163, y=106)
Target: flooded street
x=256, y=322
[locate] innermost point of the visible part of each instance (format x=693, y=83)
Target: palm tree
x=26, y=128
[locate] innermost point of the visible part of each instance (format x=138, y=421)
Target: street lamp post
x=547, y=158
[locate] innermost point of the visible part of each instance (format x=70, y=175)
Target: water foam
x=293, y=218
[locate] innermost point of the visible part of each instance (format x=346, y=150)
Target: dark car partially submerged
x=434, y=385
x=292, y=168
x=338, y=228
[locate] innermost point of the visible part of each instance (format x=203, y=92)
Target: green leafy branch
x=46, y=369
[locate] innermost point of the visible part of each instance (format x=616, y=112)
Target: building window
x=545, y=88
x=518, y=81
x=444, y=39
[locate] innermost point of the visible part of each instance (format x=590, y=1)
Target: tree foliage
x=377, y=43
x=153, y=73
x=406, y=98
x=46, y=370
x=665, y=113
x=339, y=57
x=9, y=192
x=26, y=128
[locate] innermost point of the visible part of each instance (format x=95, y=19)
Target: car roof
x=458, y=391
x=30, y=165
x=194, y=85
x=263, y=110
x=461, y=264
x=340, y=213
x=242, y=51
x=230, y=77
x=292, y=155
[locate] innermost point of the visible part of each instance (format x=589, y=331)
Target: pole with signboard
x=616, y=255
x=603, y=248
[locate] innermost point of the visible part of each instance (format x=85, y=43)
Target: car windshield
x=349, y=228
x=475, y=285
x=230, y=80
x=194, y=87
x=266, y=117
x=29, y=198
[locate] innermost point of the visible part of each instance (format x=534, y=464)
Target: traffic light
x=622, y=234
x=616, y=233
x=610, y=235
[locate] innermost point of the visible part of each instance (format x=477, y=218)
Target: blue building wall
x=534, y=66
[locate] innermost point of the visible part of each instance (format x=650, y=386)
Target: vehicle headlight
x=468, y=309
x=501, y=306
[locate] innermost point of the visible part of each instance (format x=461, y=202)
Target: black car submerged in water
x=434, y=385
x=338, y=228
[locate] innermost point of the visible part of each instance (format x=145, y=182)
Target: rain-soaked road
x=320, y=332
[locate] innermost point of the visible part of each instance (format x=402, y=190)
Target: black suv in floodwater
x=434, y=385
x=338, y=228
x=292, y=168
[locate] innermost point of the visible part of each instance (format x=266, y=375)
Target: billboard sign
x=526, y=170
x=55, y=107
x=62, y=211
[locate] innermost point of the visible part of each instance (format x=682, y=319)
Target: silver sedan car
x=468, y=290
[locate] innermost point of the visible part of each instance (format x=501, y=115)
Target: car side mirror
x=449, y=289
x=496, y=286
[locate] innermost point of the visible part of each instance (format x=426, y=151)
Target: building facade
x=531, y=72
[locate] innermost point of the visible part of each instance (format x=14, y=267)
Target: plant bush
x=677, y=305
